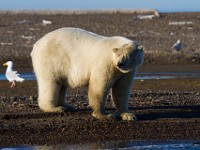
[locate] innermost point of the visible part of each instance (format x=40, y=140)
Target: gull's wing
x=13, y=76
x=177, y=46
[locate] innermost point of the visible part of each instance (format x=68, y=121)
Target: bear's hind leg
x=48, y=96
x=62, y=101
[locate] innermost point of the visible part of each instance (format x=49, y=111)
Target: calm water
x=144, y=145
x=139, y=76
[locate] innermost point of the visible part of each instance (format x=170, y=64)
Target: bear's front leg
x=97, y=96
x=120, y=93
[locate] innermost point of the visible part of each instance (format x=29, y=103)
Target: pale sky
x=160, y=5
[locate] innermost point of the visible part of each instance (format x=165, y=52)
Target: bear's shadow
x=157, y=112
x=167, y=112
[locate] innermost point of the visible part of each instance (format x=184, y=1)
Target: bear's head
x=128, y=57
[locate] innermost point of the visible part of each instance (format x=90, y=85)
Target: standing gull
x=11, y=75
x=178, y=45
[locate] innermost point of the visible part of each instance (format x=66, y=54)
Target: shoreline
x=92, y=11
x=83, y=11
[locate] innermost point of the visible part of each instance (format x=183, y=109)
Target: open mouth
x=120, y=65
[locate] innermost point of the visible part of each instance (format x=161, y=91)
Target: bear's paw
x=128, y=117
x=103, y=116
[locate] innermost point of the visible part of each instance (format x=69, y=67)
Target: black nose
x=120, y=65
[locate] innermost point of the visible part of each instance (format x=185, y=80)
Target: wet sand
x=166, y=109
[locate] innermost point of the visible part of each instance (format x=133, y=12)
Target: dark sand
x=166, y=109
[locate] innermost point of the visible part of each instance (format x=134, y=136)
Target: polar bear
x=72, y=57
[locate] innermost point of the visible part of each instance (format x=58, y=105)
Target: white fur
x=71, y=57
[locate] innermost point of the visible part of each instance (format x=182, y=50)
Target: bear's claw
x=128, y=117
x=103, y=116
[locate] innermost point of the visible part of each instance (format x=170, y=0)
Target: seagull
x=46, y=22
x=11, y=75
x=178, y=45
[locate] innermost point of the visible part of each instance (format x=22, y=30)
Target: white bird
x=145, y=17
x=11, y=75
x=178, y=45
x=46, y=22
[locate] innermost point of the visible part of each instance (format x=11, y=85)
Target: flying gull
x=11, y=75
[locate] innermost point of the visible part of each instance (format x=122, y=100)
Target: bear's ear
x=123, y=47
x=128, y=46
x=116, y=50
